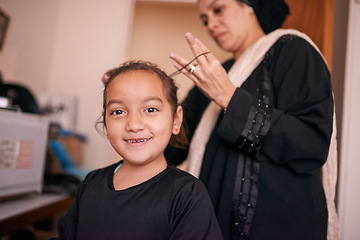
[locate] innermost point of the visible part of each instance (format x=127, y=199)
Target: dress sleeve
x=295, y=126
x=192, y=215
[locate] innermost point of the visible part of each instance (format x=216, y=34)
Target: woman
x=261, y=132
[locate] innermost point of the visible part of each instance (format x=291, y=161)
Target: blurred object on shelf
x=18, y=97
x=60, y=109
x=65, y=152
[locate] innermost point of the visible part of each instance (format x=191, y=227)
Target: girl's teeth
x=136, y=141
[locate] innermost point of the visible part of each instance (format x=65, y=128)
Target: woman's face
x=229, y=22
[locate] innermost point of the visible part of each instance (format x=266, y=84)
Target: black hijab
x=270, y=13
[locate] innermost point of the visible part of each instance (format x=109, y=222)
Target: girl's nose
x=134, y=123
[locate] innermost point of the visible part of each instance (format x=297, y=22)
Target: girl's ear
x=178, y=118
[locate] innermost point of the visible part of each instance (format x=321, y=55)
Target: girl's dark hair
x=271, y=14
x=170, y=89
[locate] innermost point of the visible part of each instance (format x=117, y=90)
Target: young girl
x=140, y=197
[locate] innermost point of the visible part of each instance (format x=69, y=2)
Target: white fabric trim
x=329, y=180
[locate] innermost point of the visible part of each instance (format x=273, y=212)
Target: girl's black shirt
x=171, y=205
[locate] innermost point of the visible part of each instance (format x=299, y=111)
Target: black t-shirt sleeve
x=192, y=215
x=67, y=225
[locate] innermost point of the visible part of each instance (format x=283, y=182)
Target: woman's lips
x=218, y=36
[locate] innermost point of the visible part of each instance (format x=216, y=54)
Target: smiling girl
x=140, y=197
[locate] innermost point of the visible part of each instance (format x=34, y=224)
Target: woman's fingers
x=197, y=49
x=200, y=52
x=210, y=57
x=181, y=64
x=178, y=59
x=105, y=78
x=205, y=59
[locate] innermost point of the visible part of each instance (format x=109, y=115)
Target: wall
x=64, y=47
x=349, y=194
x=26, y=56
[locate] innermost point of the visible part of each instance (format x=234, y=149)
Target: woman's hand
x=208, y=75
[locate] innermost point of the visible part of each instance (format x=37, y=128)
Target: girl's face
x=139, y=118
x=229, y=23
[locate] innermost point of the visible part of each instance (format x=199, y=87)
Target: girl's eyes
x=151, y=110
x=117, y=112
x=148, y=110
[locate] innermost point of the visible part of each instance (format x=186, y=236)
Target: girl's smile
x=137, y=140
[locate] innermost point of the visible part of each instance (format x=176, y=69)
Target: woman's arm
x=295, y=129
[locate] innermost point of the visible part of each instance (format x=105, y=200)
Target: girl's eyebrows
x=153, y=98
x=114, y=101
x=150, y=98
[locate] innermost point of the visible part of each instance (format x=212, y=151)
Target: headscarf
x=270, y=13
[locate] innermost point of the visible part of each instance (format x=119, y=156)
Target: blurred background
x=59, y=50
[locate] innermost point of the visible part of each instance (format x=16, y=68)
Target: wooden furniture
x=316, y=19
x=21, y=212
